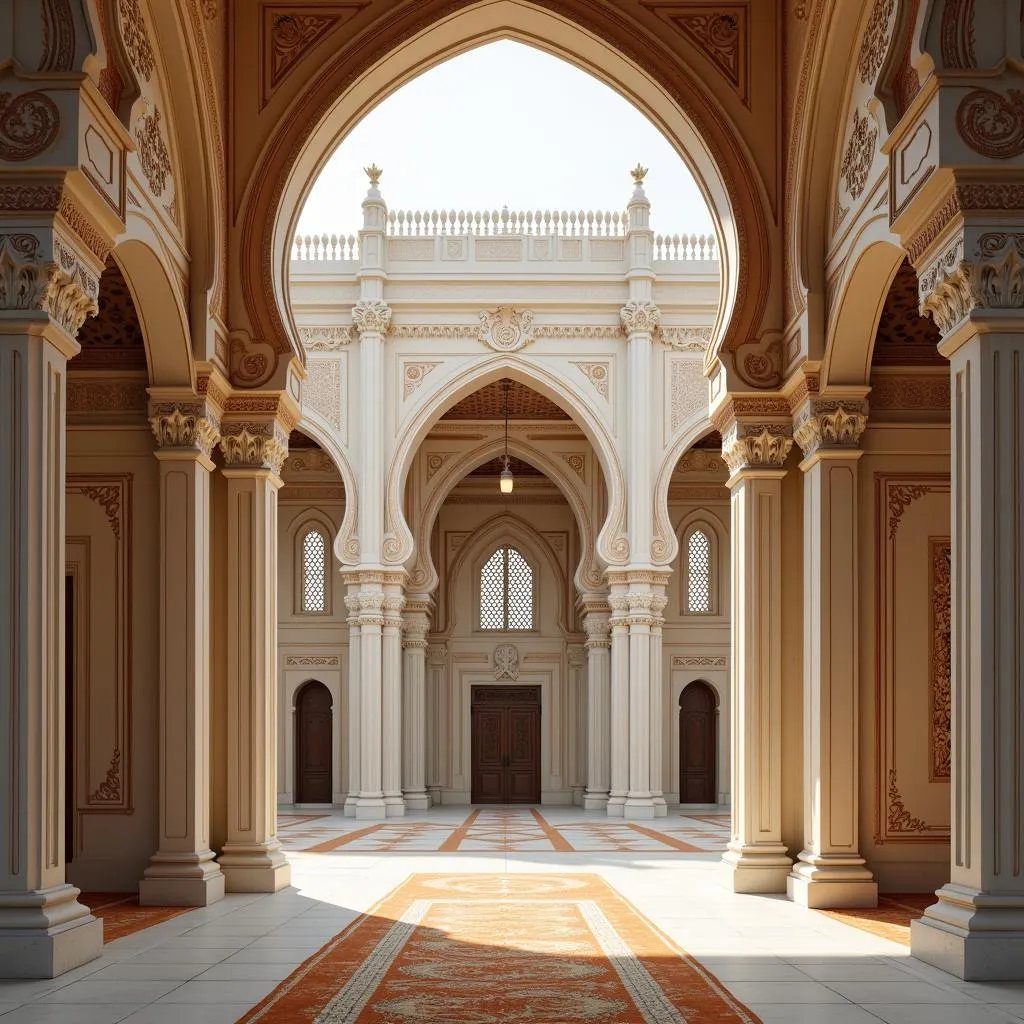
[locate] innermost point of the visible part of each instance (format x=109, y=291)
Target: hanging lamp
x=506, y=481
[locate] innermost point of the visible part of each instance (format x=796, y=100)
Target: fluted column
x=251, y=858
x=830, y=872
x=619, y=746
x=370, y=804
x=391, y=697
x=756, y=859
x=598, y=647
x=416, y=622
x=973, y=286
x=44, y=930
x=658, y=704
x=355, y=724
x=437, y=741
x=183, y=871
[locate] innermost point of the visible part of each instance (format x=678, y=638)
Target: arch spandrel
x=612, y=546
x=367, y=60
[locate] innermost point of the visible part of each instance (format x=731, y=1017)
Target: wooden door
x=698, y=726
x=313, y=743
x=505, y=745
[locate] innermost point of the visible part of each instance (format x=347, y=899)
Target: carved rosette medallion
x=830, y=424
x=992, y=124
x=29, y=123
x=755, y=446
x=185, y=428
x=640, y=316
x=506, y=329
x=371, y=315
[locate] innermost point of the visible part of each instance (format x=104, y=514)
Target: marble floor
x=788, y=964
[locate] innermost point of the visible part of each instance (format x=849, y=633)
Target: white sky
x=505, y=124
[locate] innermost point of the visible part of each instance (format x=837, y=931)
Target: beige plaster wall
x=112, y=549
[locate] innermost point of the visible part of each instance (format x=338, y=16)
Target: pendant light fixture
x=506, y=481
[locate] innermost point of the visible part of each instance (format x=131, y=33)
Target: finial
x=638, y=173
x=373, y=172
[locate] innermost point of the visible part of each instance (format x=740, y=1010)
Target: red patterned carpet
x=121, y=914
x=501, y=949
x=891, y=918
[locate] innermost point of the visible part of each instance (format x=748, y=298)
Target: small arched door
x=313, y=743
x=698, y=753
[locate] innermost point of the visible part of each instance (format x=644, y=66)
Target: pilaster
x=596, y=625
x=355, y=725
x=830, y=871
x=755, y=452
x=391, y=698
x=183, y=871
x=415, y=624
x=619, y=747
x=254, y=442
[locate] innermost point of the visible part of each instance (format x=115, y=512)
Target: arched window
x=698, y=579
x=314, y=571
x=506, y=591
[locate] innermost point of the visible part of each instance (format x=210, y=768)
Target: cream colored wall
x=311, y=645
x=904, y=511
x=112, y=545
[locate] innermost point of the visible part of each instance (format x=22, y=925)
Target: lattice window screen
x=698, y=573
x=506, y=591
x=314, y=572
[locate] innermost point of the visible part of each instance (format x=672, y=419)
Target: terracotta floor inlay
x=501, y=949
x=890, y=919
x=121, y=914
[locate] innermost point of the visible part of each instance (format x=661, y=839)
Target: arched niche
x=357, y=79
x=422, y=571
x=612, y=546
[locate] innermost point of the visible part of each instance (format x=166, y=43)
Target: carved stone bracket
x=640, y=316
x=187, y=426
x=371, y=315
x=823, y=423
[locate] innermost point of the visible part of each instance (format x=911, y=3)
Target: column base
x=46, y=933
x=616, y=806
x=756, y=869
x=181, y=880
x=349, y=810
x=823, y=883
x=417, y=801
x=639, y=808
x=660, y=807
x=371, y=808
x=595, y=801
x=974, y=935
x=394, y=806
x=254, y=868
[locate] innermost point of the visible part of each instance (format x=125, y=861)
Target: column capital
x=371, y=315
x=829, y=423
x=437, y=654
x=640, y=316
x=254, y=446
x=747, y=446
x=597, y=626
x=577, y=655
x=184, y=426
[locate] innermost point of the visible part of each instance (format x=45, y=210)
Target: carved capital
x=55, y=282
x=830, y=424
x=756, y=446
x=371, y=315
x=254, y=445
x=954, y=285
x=640, y=316
x=184, y=426
x=597, y=625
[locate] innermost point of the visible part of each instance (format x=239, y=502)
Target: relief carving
x=506, y=329
x=859, y=154
x=829, y=424
x=371, y=315
x=876, y=41
x=640, y=316
x=250, y=445
x=29, y=123
x=58, y=36
x=941, y=691
x=597, y=374
x=154, y=157
x=721, y=36
x=763, y=446
x=174, y=427
x=506, y=662
x=325, y=339
x=136, y=41
x=992, y=124
x=414, y=374
x=292, y=35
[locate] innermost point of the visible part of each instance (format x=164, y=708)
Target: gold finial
x=373, y=172
x=638, y=173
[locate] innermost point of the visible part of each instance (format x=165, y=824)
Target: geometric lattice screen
x=506, y=591
x=698, y=573
x=314, y=572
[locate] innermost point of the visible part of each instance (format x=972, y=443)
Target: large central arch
x=609, y=46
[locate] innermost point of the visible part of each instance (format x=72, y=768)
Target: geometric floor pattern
x=212, y=965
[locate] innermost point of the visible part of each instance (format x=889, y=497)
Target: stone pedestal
x=251, y=858
x=44, y=930
x=183, y=871
x=830, y=871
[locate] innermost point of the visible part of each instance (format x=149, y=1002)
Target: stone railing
x=326, y=247
x=481, y=223
x=685, y=247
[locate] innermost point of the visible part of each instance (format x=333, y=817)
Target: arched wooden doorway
x=698, y=744
x=313, y=742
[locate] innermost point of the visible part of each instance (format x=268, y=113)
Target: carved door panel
x=313, y=753
x=505, y=731
x=698, y=717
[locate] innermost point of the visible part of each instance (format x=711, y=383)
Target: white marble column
x=619, y=724
x=756, y=859
x=183, y=871
x=370, y=804
x=44, y=930
x=391, y=699
x=251, y=858
x=598, y=646
x=830, y=872
x=658, y=698
x=437, y=700
x=975, y=291
x=416, y=622
x=354, y=747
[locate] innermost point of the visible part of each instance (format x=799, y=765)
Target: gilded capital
x=371, y=315
x=756, y=446
x=829, y=424
x=185, y=427
x=640, y=316
x=254, y=446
